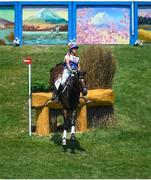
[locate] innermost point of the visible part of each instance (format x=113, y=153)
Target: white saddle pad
x=57, y=83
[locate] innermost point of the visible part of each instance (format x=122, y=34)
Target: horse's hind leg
x=72, y=118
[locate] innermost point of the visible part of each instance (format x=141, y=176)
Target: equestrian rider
x=71, y=64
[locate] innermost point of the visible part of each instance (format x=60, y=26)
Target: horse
x=69, y=98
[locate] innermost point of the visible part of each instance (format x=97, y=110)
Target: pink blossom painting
x=98, y=25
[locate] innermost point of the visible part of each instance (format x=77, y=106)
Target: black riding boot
x=55, y=97
x=84, y=91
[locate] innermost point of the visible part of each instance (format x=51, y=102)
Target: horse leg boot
x=72, y=133
x=64, y=137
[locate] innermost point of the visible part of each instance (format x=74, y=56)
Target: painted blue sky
x=144, y=12
x=7, y=13
x=29, y=11
x=115, y=13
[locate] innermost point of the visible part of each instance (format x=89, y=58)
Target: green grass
x=121, y=152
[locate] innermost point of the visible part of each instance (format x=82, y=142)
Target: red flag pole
x=28, y=61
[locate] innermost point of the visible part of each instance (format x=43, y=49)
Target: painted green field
x=144, y=35
x=120, y=152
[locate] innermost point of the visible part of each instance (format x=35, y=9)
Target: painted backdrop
x=99, y=25
x=45, y=25
x=6, y=25
x=144, y=23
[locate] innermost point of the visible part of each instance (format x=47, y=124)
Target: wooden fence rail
x=44, y=115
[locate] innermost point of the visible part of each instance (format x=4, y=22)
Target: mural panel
x=144, y=23
x=6, y=25
x=99, y=25
x=45, y=25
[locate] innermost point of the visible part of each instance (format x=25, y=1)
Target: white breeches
x=65, y=75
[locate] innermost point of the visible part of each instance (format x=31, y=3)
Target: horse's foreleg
x=64, y=137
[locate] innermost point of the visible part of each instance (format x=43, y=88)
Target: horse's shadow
x=71, y=146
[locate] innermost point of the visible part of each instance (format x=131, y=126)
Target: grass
x=120, y=152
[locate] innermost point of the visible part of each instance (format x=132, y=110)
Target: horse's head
x=82, y=82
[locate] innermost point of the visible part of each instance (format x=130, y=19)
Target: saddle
x=55, y=75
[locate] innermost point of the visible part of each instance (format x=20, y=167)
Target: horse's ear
x=84, y=73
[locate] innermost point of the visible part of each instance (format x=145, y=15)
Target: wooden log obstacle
x=46, y=116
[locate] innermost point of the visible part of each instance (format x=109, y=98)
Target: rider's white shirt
x=66, y=72
x=72, y=58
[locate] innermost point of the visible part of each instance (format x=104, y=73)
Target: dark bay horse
x=69, y=98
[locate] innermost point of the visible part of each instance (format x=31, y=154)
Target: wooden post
x=81, y=123
x=42, y=127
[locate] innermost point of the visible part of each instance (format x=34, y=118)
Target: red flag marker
x=28, y=60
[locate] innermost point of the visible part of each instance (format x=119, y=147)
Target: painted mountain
x=5, y=23
x=103, y=20
x=46, y=16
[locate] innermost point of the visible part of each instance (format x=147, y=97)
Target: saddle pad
x=57, y=83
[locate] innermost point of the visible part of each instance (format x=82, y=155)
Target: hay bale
x=101, y=116
x=100, y=65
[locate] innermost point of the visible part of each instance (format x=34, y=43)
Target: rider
x=71, y=64
x=71, y=61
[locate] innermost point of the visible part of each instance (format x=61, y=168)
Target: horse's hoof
x=73, y=137
x=64, y=142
